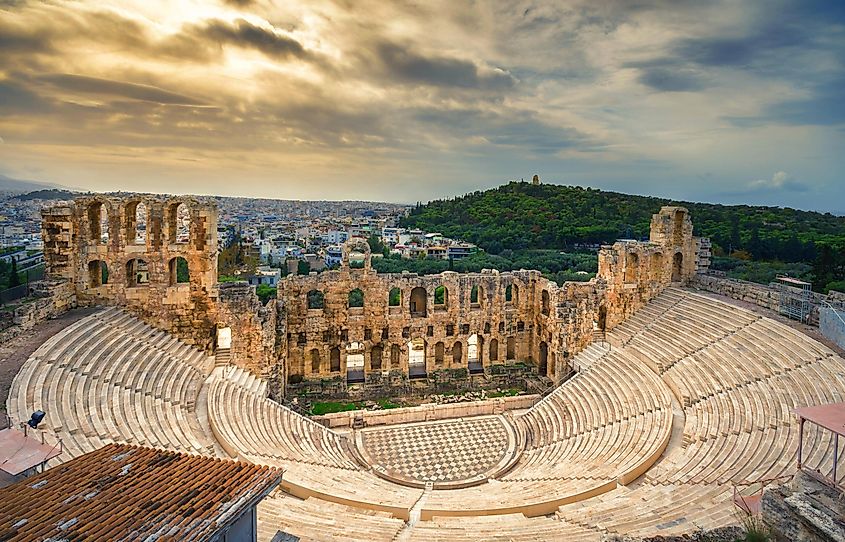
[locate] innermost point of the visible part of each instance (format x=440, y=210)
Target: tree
x=14, y=278
x=376, y=245
x=302, y=267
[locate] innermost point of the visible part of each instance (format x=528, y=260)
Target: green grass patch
x=330, y=407
x=386, y=404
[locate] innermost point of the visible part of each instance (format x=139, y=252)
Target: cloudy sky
x=405, y=101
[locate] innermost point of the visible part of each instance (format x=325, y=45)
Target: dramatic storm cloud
x=405, y=101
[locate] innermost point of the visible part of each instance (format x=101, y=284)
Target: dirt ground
x=16, y=352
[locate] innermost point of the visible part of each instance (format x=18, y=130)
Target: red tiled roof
x=123, y=492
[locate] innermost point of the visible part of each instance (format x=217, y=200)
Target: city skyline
x=377, y=101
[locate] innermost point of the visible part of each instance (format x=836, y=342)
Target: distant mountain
x=519, y=215
x=52, y=193
x=8, y=184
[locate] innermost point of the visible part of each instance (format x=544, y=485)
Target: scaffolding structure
x=796, y=298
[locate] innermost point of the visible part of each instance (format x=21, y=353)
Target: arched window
x=354, y=362
x=677, y=267
x=419, y=299
x=678, y=228
x=439, y=349
x=356, y=298
x=137, y=273
x=178, y=223
x=334, y=359
x=509, y=293
x=632, y=267
x=98, y=222
x=457, y=353
x=136, y=223
x=494, y=350
x=315, y=361
x=473, y=350
x=98, y=273
x=511, y=348
x=474, y=295
x=394, y=298
x=515, y=296
x=545, y=302
x=394, y=356
x=316, y=300
x=441, y=297
x=178, y=268
x=375, y=358
x=657, y=266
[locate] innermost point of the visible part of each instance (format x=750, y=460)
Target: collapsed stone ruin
x=157, y=257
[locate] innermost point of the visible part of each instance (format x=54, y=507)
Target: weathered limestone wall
x=804, y=511
x=766, y=296
x=636, y=272
x=141, y=271
x=253, y=327
x=51, y=297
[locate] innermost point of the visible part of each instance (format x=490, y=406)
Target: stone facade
x=97, y=245
x=350, y=325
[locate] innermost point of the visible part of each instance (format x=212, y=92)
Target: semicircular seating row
x=110, y=377
x=738, y=376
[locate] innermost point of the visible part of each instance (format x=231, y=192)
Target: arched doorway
x=510, y=351
x=494, y=350
x=98, y=273
x=457, y=353
x=601, y=322
x=416, y=358
x=354, y=363
x=475, y=349
x=375, y=358
x=677, y=267
x=315, y=361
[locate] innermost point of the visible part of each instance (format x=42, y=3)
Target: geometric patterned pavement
x=440, y=451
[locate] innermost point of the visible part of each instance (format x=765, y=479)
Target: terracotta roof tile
x=123, y=492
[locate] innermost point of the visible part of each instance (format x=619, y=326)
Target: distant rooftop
x=123, y=492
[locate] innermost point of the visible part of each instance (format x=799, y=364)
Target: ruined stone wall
x=253, y=327
x=77, y=245
x=48, y=298
x=635, y=272
x=381, y=326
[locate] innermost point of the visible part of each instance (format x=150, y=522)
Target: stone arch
x=355, y=298
x=375, y=358
x=475, y=353
x=395, y=354
x=355, y=245
x=677, y=267
x=475, y=295
x=137, y=273
x=315, y=299
x=632, y=267
x=510, y=350
x=441, y=297
x=334, y=359
x=494, y=350
x=457, y=353
x=98, y=221
x=178, y=220
x=136, y=223
x=657, y=266
x=98, y=273
x=416, y=358
x=178, y=271
x=678, y=227
x=544, y=302
x=315, y=361
x=418, y=302
x=439, y=353
x=543, y=366
x=394, y=297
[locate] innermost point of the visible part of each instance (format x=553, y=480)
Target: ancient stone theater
x=666, y=404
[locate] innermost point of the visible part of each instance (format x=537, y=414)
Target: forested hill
x=521, y=215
